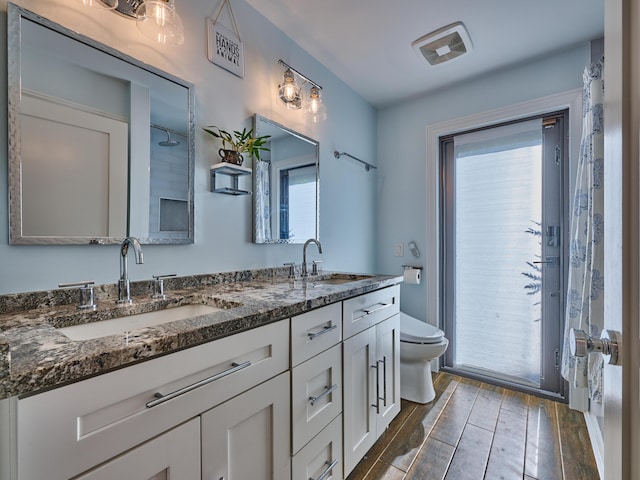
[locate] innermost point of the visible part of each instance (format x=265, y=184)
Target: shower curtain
x=263, y=197
x=585, y=302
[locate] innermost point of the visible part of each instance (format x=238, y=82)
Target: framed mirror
x=101, y=145
x=285, y=186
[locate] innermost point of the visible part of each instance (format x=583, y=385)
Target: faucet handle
x=314, y=268
x=86, y=293
x=292, y=269
x=158, y=285
x=166, y=275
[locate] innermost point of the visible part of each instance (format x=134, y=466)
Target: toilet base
x=416, y=384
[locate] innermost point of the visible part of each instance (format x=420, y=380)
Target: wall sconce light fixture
x=156, y=19
x=291, y=94
x=315, y=107
x=106, y=4
x=289, y=91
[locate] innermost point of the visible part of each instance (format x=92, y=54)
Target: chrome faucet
x=124, y=292
x=304, y=254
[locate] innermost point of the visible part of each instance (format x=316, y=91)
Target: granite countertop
x=35, y=355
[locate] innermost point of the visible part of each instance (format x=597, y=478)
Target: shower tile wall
x=169, y=183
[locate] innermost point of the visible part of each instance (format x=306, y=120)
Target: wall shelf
x=233, y=171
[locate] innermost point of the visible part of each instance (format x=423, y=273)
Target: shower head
x=169, y=142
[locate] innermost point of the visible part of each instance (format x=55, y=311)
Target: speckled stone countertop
x=34, y=355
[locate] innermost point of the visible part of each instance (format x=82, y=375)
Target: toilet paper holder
x=418, y=267
x=412, y=274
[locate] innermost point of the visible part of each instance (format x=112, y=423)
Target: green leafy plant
x=535, y=274
x=240, y=142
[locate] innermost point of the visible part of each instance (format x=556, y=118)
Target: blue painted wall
x=223, y=223
x=402, y=151
x=362, y=214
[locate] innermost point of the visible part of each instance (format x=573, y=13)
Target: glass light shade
x=289, y=91
x=315, y=107
x=106, y=4
x=158, y=19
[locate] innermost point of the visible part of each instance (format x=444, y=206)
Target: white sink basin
x=337, y=279
x=334, y=281
x=120, y=325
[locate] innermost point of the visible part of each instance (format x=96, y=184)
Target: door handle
x=377, y=404
x=550, y=261
x=384, y=380
x=581, y=344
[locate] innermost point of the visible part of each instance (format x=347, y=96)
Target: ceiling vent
x=444, y=44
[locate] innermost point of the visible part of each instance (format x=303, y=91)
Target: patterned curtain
x=262, y=214
x=585, y=302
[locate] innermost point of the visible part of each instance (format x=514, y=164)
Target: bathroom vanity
x=279, y=378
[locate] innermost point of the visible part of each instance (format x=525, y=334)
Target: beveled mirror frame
x=15, y=16
x=258, y=238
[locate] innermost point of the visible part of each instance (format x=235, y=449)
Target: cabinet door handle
x=160, y=398
x=377, y=404
x=369, y=311
x=384, y=380
x=326, y=471
x=324, y=330
x=327, y=391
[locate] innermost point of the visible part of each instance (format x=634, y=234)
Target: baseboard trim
x=597, y=443
x=578, y=398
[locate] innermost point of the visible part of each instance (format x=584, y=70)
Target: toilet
x=420, y=343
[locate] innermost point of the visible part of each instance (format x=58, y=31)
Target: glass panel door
x=502, y=254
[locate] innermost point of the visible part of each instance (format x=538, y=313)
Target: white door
x=507, y=180
x=622, y=238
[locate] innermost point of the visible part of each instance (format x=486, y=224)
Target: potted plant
x=236, y=143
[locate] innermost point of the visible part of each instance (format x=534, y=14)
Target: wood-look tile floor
x=473, y=430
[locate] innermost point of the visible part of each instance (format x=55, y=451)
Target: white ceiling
x=367, y=43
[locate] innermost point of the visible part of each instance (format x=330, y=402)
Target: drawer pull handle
x=326, y=329
x=326, y=471
x=327, y=391
x=160, y=398
x=370, y=311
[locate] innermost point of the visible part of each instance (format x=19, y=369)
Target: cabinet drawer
x=94, y=420
x=175, y=454
x=359, y=313
x=313, y=332
x=316, y=395
x=321, y=456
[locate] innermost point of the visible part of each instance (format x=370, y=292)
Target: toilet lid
x=415, y=331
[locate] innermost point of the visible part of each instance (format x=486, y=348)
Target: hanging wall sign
x=224, y=47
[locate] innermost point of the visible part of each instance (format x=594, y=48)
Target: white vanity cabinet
x=72, y=429
x=316, y=393
x=371, y=370
x=301, y=398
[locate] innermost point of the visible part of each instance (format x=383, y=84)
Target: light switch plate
x=398, y=249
